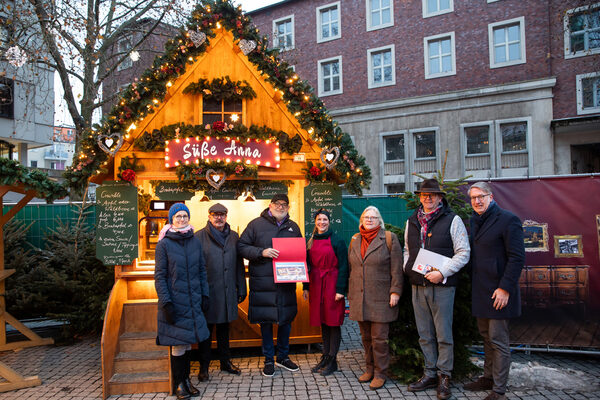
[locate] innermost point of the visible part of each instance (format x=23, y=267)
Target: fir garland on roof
x=12, y=173
x=221, y=89
x=146, y=94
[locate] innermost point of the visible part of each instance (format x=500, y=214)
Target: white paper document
x=428, y=261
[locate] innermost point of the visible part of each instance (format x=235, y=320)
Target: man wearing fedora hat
x=227, y=283
x=435, y=227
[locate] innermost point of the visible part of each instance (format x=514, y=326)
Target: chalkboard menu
x=222, y=194
x=267, y=191
x=171, y=191
x=322, y=195
x=117, y=229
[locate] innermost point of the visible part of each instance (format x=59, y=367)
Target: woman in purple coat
x=327, y=257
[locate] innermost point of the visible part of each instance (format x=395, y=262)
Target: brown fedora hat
x=430, y=186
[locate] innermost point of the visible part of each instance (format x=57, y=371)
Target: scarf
x=219, y=236
x=424, y=219
x=367, y=237
x=478, y=220
x=169, y=227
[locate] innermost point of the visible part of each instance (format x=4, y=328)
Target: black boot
x=330, y=367
x=191, y=389
x=203, y=373
x=178, y=371
x=320, y=365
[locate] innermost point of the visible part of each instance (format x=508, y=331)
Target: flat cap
x=218, y=208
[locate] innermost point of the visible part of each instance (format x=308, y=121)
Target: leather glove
x=241, y=299
x=205, y=303
x=169, y=310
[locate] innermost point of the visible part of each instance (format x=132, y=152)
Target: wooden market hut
x=219, y=71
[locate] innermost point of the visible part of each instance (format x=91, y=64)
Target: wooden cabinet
x=553, y=285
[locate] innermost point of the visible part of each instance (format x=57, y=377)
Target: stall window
x=283, y=33
x=328, y=22
x=582, y=31
x=226, y=111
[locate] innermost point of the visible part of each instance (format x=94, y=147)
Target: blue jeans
x=433, y=306
x=283, y=341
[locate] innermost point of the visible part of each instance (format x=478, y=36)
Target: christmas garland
x=145, y=95
x=221, y=89
x=12, y=173
x=128, y=168
x=155, y=140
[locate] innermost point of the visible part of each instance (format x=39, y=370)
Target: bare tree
x=77, y=39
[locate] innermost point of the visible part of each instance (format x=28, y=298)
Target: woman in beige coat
x=375, y=286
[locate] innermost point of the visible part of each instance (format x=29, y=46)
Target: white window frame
x=276, y=37
x=394, y=179
x=579, y=87
x=426, y=40
x=498, y=139
x=127, y=62
x=320, y=38
x=320, y=76
x=414, y=132
x=522, y=60
x=370, y=26
x=567, y=32
x=427, y=14
x=371, y=83
x=491, y=146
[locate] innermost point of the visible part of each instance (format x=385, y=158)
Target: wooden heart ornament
x=329, y=157
x=110, y=143
x=215, y=179
x=197, y=37
x=247, y=46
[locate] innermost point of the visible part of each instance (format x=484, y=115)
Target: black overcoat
x=225, y=272
x=180, y=279
x=269, y=302
x=497, y=258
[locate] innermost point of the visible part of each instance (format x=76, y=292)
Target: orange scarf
x=367, y=238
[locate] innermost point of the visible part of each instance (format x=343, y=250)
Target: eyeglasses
x=215, y=215
x=280, y=204
x=480, y=197
x=180, y=217
x=371, y=218
x=427, y=195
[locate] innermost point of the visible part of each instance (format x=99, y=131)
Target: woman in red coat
x=327, y=257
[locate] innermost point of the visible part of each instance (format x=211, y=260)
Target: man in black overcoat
x=497, y=258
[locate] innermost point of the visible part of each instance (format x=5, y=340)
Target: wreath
x=221, y=89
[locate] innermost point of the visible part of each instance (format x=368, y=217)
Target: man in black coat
x=227, y=286
x=497, y=258
x=270, y=303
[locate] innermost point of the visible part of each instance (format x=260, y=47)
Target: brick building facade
x=497, y=88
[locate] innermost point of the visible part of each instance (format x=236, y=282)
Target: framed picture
x=535, y=236
x=568, y=246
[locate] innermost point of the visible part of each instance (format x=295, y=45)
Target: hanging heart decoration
x=247, y=46
x=215, y=179
x=16, y=56
x=329, y=157
x=197, y=37
x=110, y=143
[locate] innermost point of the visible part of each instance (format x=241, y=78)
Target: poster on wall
x=116, y=219
x=319, y=195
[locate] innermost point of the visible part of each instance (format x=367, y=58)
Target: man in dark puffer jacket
x=270, y=303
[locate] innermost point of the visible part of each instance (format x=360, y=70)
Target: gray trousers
x=497, y=351
x=433, y=306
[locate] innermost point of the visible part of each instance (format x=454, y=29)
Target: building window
x=33, y=164
x=7, y=91
x=380, y=14
x=394, y=148
x=123, y=48
x=395, y=188
x=582, y=31
x=440, y=57
x=432, y=8
x=283, y=33
x=514, y=137
x=328, y=22
x=477, y=140
x=226, y=111
x=425, y=145
x=588, y=93
x=507, y=42
x=382, y=70
x=330, y=76
x=6, y=33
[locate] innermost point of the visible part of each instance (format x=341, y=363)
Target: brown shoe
x=377, y=383
x=443, y=389
x=426, y=382
x=482, y=383
x=366, y=377
x=495, y=396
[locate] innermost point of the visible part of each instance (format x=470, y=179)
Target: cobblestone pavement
x=73, y=373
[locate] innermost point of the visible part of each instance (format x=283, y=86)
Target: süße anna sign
x=264, y=153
